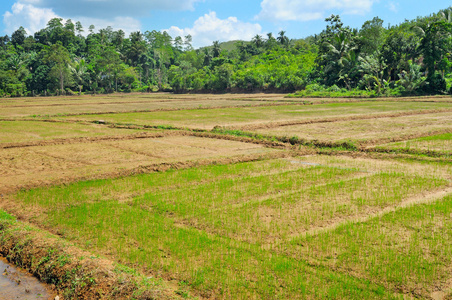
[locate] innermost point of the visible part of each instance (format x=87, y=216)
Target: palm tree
x=446, y=15
x=79, y=69
x=341, y=56
x=15, y=62
x=271, y=42
x=283, y=39
x=207, y=57
x=258, y=41
x=216, y=50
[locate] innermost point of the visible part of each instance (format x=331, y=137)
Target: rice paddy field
x=241, y=196
x=244, y=117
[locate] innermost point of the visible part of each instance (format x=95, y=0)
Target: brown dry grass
x=338, y=119
x=369, y=131
x=262, y=116
x=22, y=107
x=34, y=132
x=36, y=165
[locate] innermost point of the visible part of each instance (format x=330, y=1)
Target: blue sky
x=209, y=20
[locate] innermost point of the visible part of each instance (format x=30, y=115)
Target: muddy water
x=17, y=284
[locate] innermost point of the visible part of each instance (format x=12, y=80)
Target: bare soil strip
x=151, y=101
x=142, y=169
x=165, y=97
x=416, y=200
x=339, y=119
x=143, y=135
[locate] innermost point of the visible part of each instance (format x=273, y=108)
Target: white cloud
x=27, y=16
x=394, y=7
x=307, y=10
x=209, y=28
x=34, y=19
x=103, y=9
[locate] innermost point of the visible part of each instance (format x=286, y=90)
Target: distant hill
x=232, y=45
x=229, y=46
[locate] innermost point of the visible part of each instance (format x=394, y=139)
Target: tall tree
x=18, y=36
x=371, y=35
x=58, y=58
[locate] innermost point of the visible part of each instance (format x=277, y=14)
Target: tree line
x=414, y=57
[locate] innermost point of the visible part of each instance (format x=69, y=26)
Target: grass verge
x=75, y=274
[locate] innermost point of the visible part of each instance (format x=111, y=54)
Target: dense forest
x=414, y=57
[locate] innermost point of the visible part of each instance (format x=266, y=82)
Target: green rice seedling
x=200, y=199
x=214, y=265
x=279, y=217
x=409, y=249
x=128, y=187
x=227, y=230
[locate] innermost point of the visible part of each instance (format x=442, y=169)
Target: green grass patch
x=438, y=145
x=4, y=216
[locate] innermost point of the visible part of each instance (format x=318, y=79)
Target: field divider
x=371, y=143
x=273, y=196
x=412, y=201
x=188, y=186
x=431, y=153
x=283, y=142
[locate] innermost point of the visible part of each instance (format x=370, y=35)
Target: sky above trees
x=210, y=20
